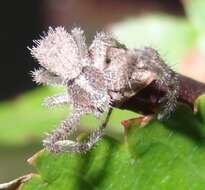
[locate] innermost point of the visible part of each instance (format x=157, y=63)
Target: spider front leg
x=56, y=100
x=42, y=76
x=60, y=134
x=94, y=137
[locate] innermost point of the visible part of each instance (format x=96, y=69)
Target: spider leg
x=169, y=101
x=94, y=137
x=78, y=36
x=167, y=78
x=56, y=100
x=42, y=76
x=66, y=128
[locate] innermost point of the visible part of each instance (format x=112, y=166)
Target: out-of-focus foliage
x=195, y=12
x=24, y=119
x=171, y=36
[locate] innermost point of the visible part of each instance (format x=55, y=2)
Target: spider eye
x=108, y=60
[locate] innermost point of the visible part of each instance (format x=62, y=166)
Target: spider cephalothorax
x=96, y=78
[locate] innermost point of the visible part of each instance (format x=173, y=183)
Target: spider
x=96, y=78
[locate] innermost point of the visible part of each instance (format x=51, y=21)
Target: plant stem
x=147, y=100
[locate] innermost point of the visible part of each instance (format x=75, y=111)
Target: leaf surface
x=158, y=156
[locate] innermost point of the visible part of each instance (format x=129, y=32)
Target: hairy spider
x=96, y=79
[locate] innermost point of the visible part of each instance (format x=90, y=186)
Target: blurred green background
x=175, y=28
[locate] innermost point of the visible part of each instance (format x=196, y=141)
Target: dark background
x=24, y=20
x=21, y=22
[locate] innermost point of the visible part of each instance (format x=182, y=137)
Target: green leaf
x=156, y=157
x=172, y=36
